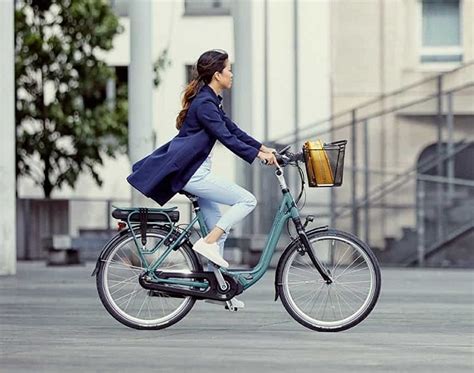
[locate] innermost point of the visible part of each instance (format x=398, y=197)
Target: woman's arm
x=243, y=136
x=210, y=118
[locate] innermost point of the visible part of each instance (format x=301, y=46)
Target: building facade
x=297, y=65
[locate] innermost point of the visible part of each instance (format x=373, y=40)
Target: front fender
x=283, y=256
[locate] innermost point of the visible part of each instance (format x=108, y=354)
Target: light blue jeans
x=212, y=191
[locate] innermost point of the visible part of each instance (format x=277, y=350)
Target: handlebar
x=284, y=157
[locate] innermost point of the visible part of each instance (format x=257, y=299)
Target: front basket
x=324, y=163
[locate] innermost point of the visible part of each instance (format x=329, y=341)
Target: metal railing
x=456, y=219
x=431, y=106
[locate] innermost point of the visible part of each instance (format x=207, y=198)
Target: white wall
x=7, y=148
x=188, y=37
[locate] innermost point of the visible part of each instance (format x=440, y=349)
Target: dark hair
x=208, y=63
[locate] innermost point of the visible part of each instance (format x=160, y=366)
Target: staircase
x=457, y=228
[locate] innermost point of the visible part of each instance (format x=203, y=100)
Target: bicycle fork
x=309, y=250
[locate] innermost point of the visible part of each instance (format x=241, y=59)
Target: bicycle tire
x=288, y=299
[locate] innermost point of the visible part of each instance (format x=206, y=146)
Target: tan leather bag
x=317, y=164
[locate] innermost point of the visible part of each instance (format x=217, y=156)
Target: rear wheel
x=329, y=307
x=121, y=293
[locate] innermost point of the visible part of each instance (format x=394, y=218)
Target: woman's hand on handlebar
x=267, y=158
x=266, y=149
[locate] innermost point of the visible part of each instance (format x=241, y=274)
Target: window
x=207, y=7
x=226, y=93
x=441, y=31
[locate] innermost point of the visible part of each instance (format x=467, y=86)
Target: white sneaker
x=235, y=303
x=210, y=251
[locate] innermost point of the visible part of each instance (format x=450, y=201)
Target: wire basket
x=324, y=163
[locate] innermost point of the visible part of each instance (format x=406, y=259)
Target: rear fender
x=106, y=248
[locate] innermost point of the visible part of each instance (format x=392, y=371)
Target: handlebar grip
x=278, y=157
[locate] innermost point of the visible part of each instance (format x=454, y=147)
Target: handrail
x=399, y=180
x=450, y=238
x=363, y=119
x=446, y=180
x=375, y=100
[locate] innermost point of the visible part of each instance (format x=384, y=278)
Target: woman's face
x=225, y=76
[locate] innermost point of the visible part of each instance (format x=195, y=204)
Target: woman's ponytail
x=208, y=63
x=190, y=92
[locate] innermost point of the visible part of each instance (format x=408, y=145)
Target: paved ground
x=52, y=320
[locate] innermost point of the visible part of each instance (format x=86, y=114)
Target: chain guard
x=213, y=291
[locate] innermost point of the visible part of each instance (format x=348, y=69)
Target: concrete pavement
x=51, y=320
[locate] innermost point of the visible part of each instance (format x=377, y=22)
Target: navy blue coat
x=167, y=170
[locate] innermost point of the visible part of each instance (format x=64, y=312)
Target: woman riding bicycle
x=184, y=163
x=149, y=278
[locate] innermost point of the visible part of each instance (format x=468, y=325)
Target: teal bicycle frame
x=247, y=278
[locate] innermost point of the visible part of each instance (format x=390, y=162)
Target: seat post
x=194, y=199
x=195, y=202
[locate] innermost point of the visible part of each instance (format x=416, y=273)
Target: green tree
x=64, y=124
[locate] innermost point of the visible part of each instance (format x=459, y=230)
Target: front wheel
x=329, y=307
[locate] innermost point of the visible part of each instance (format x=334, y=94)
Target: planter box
x=38, y=219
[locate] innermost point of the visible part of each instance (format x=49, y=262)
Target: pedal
x=234, y=304
x=230, y=307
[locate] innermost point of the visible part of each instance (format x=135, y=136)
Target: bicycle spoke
x=140, y=310
x=303, y=282
x=350, y=265
x=353, y=292
x=318, y=294
x=122, y=287
x=338, y=302
x=332, y=303
x=321, y=305
x=299, y=275
x=148, y=307
x=131, y=294
x=354, y=282
x=352, y=272
x=340, y=259
x=310, y=299
x=127, y=280
x=125, y=266
x=343, y=299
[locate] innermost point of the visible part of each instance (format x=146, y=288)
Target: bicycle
x=148, y=276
